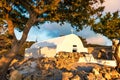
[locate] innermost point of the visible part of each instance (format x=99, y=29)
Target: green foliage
x=76, y=12
x=109, y=25
x=79, y=13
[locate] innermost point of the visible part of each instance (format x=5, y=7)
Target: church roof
x=51, y=42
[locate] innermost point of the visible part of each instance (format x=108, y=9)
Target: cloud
x=47, y=31
x=56, y=30
x=38, y=34
x=94, y=38
x=98, y=39
x=52, y=30
x=86, y=33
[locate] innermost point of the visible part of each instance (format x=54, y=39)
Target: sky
x=52, y=30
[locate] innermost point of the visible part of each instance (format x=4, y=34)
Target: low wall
x=88, y=58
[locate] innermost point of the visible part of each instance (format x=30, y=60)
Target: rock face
x=102, y=54
x=65, y=59
x=15, y=75
x=66, y=75
x=63, y=67
x=116, y=51
x=76, y=77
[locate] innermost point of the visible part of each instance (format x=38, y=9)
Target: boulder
x=91, y=76
x=114, y=74
x=15, y=75
x=95, y=71
x=107, y=76
x=66, y=75
x=100, y=77
x=76, y=77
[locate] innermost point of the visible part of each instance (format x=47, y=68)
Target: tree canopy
x=76, y=12
x=109, y=25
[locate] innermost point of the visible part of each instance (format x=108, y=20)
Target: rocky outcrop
x=63, y=67
x=15, y=75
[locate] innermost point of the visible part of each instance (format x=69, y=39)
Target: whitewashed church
x=49, y=48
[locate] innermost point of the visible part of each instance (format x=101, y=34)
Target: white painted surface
x=88, y=58
x=68, y=42
x=49, y=48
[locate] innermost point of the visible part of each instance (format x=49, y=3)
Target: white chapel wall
x=67, y=44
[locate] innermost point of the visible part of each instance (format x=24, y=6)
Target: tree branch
x=28, y=26
x=26, y=5
x=53, y=4
x=39, y=20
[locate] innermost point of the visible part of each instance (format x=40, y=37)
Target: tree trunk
x=6, y=60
